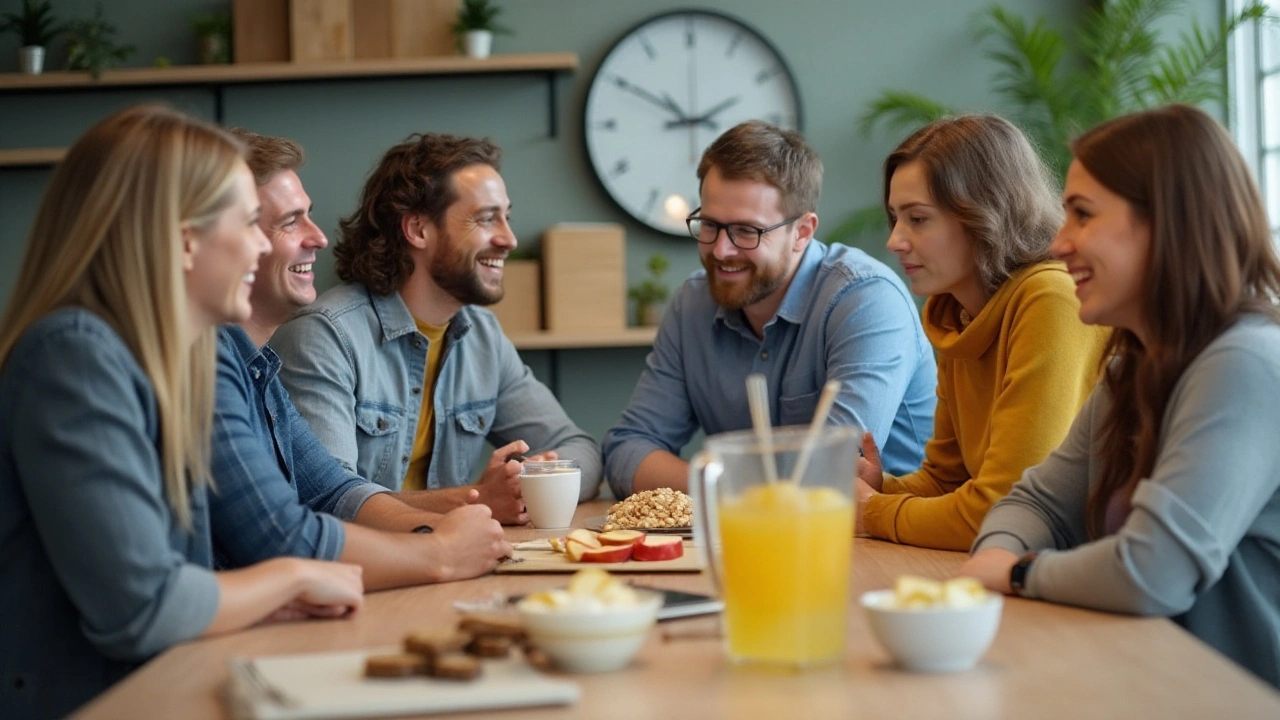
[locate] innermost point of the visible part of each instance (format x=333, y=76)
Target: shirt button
x=382, y=424
x=764, y=355
x=417, y=391
x=481, y=422
x=417, y=344
x=404, y=458
x=257, y=373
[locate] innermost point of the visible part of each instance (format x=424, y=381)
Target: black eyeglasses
x=743, y=237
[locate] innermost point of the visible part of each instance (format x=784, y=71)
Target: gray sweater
x=1202, y=542
x=96, y=574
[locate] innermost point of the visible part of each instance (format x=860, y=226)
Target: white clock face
x=664, y=92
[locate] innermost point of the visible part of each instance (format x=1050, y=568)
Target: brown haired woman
x=1164, y=499
x=972, y=212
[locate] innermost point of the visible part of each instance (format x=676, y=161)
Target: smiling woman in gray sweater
x=1165, y=497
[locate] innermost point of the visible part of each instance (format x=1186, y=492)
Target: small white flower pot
x=31, y=59
x=477, y=43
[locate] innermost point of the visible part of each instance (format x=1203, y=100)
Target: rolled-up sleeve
x=256, y=514
x=90, y=470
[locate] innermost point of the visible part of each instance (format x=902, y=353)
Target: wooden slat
x=630, y=337
x=245, y=73
x=31, y=157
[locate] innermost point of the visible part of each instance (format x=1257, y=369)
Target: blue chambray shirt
x=278, y=489
x=96, y=573
x=354, y=364
x=845, y=316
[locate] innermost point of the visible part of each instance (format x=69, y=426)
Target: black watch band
x=424, y=529
x=1018, y=573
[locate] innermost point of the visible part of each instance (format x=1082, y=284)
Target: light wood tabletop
x=1047, y=662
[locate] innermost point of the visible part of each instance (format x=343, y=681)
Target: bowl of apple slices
x=596, y=624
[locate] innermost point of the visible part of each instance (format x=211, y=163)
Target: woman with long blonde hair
x=1164, y=498
x=145, y=240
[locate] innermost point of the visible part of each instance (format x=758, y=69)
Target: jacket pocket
x=467, y=451
x=378, y=441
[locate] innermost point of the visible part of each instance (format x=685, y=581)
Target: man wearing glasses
x=773, y=300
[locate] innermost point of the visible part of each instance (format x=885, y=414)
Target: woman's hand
x=991, y=567
x=869, y=468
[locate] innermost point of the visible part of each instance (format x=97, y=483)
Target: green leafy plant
x=479, y=15
x=91, y=45
x=1056, y=85
x=213, y=32
x=651, y=290
x=35, y=25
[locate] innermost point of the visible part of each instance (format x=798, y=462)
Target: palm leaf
x=1182, y=71
x=900, y=110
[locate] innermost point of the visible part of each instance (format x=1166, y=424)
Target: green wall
x=841, y=51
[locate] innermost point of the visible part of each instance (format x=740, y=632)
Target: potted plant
x=91, y=45
x=213, y=34
x=475, y=27
x=1057, y=85
x=650, y=293
x=35, y=28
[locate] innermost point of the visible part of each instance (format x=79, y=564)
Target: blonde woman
x=145, y=240
x=972, y=212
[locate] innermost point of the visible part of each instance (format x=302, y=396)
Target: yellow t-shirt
x=425, y=436
x=1009, y=386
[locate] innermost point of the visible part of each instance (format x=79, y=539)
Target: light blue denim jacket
x=96, y=573
x=845, y=317
x=354, y=362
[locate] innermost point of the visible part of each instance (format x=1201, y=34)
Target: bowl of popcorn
x=931, y=626
x=597, y=624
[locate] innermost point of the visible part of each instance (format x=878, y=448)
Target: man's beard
x=761, y=282
x=457, y=274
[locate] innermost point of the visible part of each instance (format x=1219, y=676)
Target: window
x=1255, y=91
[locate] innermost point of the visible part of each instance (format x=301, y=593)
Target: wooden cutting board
x=537, y=557
x=333, y=685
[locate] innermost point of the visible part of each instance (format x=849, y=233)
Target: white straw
x=829, y=392
x=758, y=400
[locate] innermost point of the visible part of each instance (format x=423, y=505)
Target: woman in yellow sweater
x=972, y=212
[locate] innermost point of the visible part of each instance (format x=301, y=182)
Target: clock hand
x=664, y=103
x=705, y=118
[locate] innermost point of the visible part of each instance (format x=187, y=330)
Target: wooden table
x=1047, y=662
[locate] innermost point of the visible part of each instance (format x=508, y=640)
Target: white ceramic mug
x=550, y=489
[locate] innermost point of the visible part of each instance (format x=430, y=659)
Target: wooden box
x=260, y=30
x=584, y=277
x=404, y=28
x=520, y=310
x=320, y=30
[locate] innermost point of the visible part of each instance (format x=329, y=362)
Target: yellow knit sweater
x=1009, y=386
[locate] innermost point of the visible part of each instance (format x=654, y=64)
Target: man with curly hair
x=400, y=371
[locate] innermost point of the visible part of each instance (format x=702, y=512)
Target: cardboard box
x=320, y=30
x=260, y=30
x=404, y=28
x=585, y=277
x=520, y=310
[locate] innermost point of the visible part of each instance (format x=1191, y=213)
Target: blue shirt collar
x=397, y=321
x=794, y=303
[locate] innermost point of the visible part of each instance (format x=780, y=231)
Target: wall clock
x=663, y=93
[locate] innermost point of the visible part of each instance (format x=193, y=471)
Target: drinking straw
x=828, y=398
x=758, y=400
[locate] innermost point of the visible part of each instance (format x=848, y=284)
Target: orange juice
x=786, y=556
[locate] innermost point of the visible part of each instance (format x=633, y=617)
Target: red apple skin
x=620, y=537
x=658, y=548
x=586, y=537
x=608, y=554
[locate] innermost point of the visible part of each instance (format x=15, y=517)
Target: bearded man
x=399, y=370
x=773, y=300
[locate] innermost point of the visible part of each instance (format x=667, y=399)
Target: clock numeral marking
x=610, y=124
x=734, y=42
x=619, y=81
x=648, y=46
x=688, y=32
x=620, y=168
x=763, y=76
x=652, y=201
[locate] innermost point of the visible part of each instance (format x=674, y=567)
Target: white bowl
x=586, y=642
x=933, y=639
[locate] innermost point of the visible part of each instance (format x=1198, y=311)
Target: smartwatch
x=1018, y=573
x=423, y=529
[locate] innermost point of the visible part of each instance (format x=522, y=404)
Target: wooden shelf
x=630, y=337
x=248, y=73
x=31, y=157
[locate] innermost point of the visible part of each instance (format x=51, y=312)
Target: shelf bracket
x=552, y=114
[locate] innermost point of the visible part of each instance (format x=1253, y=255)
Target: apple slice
x=574, y=550
x=608, y=554
x=557, y=544
x=658, y=547
x=584, y=536
x=620, y=537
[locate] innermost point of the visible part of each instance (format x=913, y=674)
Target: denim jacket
x=845, y=316
x=354, y=364
x=96, y=573
x=278, y=488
